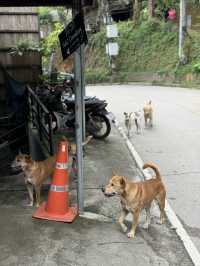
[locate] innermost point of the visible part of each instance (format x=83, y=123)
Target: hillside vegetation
x=148, y=52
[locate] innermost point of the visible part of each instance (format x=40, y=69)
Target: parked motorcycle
x=98, y=119
x=62, y=107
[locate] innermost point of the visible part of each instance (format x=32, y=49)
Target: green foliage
x=196, y=68
x=93, y=76
x=168, y=3
x=44, y=15
x=51, y=42
x=50, y=15
x=24, y=46
x=56, y=18
x=151, y=47
x=146, y=47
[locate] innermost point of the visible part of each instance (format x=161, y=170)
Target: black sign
x=73, y=36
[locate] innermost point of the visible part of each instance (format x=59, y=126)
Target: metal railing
x=41, y=119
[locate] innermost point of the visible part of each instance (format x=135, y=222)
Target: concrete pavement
x=28, y=242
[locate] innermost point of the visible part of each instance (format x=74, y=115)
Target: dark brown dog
x=136, y=196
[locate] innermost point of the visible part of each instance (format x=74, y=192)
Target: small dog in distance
x=128, y=122
x=138, y=121
x=148, y=114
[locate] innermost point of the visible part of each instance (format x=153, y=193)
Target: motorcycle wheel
x=100, y=126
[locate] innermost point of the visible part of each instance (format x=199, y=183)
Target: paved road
x=173, y=143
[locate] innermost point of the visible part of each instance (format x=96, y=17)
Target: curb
x=140, y=83
x=172, y=217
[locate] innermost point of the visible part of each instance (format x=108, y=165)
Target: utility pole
x=79, y=81
x=182, y=28
x=151, y=8
x=136, y=10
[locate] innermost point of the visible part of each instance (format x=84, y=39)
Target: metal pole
x=182, y=25
x=83, y=89
x=79, y=120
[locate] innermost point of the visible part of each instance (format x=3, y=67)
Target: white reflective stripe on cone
x=62, y=165
x=59, y=188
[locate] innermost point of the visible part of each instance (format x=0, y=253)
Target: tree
x=151, y=5
x=136, y=10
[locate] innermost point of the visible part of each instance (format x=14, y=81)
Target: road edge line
x=171, y=215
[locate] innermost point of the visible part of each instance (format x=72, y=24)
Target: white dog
x=138, y=121
x=128, y=122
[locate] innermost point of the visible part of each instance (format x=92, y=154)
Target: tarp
x=16, y=97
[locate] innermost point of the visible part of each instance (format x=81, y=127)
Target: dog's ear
x=125, y=113
x=114, y=172
x=27, y=158
x=123, y=182
x=19, y=152
x=149, y=101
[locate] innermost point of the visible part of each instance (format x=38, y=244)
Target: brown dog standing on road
x=148, y=114
x=136, y=196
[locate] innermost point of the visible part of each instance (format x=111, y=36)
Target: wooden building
x=19, y=25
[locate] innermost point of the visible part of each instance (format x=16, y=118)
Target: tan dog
x=35, y=173
x=148, y=114
x=136, y=196
x=73, y=150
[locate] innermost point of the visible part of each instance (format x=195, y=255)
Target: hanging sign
x=73, y=36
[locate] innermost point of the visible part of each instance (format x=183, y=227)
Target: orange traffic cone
x=57, y=207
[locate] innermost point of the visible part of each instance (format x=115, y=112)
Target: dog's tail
x=154, y=167
x=87, y=140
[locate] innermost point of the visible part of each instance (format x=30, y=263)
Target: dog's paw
x=124, y=228
x=160, y=222
x=145, y=226
x=131, y=234
x=30, y=204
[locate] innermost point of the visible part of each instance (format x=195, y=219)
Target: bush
x=151, y=47
x=96, y=76
x=196, y=68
